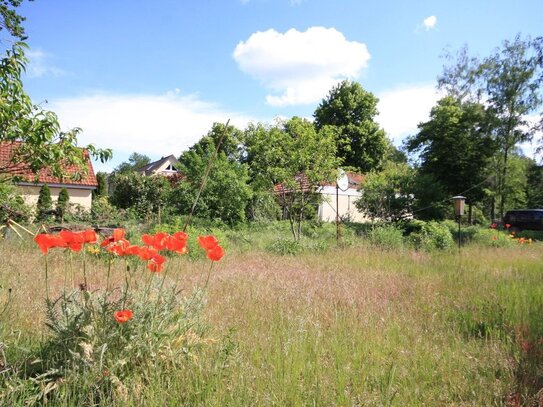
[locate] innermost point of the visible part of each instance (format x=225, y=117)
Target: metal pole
x=459, y=234
x=337, y=212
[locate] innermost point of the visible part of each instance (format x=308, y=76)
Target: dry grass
x=353, y=326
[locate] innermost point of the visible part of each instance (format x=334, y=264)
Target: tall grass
x=356, y=325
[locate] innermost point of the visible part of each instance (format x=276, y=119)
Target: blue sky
x=152, y=76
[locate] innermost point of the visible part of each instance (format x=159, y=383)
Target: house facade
x=335, y=200
x=165, y=166
x=29, y=184
x=341, y=200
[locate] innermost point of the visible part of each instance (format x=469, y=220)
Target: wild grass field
x=347, y=326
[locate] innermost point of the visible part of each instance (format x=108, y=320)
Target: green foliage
x=44, y=205
x=145, y=195
x=135, y=161
x=429, y=235
x=350, y=111
x=387, y=236
x=293, y=154
x=284, y=247
x=101, y=357
x=12, y=205
x=63, y=201
x=10, y=19
x=103, y=213
x=534, y=186
x=455, y=147
x=388, y=194
x=42, y=144
x=227, y=193
x=101, y=189
x=509, y=83
x=493, y=238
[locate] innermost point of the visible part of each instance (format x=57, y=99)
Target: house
x=343, y=196
x=165, y=166
x=29, y=183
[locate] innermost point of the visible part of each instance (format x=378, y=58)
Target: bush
x=431, y=236
x=387, y=236
x=62, y=204
x=12, y=205
x=493, y=238
x=44, y=207
x=285, y=247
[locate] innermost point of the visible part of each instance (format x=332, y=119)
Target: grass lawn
x=354, y=326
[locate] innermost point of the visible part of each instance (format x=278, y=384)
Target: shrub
x=493, y=238
x=285, y=247
x=431, y=236
x=44, y=206
x=387, y=236
x=62, y=204
x=12, y=205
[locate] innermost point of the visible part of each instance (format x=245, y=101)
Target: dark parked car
x=524, y=219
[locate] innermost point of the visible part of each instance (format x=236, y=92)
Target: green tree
x=350, y=111
x=388, y=194
x=145, y=195
x=33, y=132
x=534, y=186
x=293, y=155
x=44, y=205
x=227, y=192
x=509, y=83
x=63, y=202
x=10, y=20
x=101, y=189
x=12, y=205
x=135, y=161
x=455, y=147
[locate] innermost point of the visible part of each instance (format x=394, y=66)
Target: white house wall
x=346, y=200
x=79, y=196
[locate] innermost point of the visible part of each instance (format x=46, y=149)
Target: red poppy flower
x=155, y=265
x=176, y=245
x=216, y=253
x=45, y=242
x=180, y=236
x=207, y=242
x=157, y=241
x=123, y=316
x=90, y=236
x=119, y=247
x=507, y=225
x=147, y=253
x=132, y=250
x=118, y=234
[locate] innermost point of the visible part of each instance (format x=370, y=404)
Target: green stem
x=46, y=279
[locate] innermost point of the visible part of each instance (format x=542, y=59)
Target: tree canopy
x=350, y=111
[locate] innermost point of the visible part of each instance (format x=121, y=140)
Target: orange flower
x=157, y=241
x=147, y=253
x=90, y=236
x=155, y=265
x=123, y=316
x=494, y=237
x=132, y=250
x=118, y=234
x=216, y=253
x=119, y=247
x=176, y=245
x=45, y=242
x=207, y=242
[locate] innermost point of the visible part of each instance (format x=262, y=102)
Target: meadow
x=349, y=325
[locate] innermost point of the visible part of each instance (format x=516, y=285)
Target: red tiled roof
x=44, y=176
x=355, y=181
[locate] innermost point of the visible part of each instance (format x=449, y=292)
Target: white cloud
x=402, y=109
x=300, y=67
x=38, y=65
x=155, y=125
x=429, y=22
